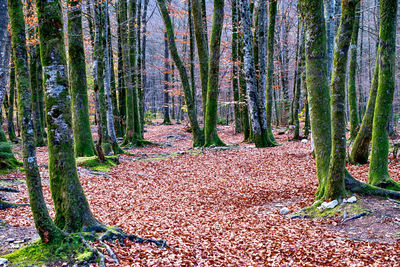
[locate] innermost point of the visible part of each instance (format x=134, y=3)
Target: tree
x=235, y=72
x=378, y=169
x=167, y=119
x=72, y=208
x=255, y=85
x=47, y=230
x=11, y=99
x=210, y=120
x=84, y=146
x=360, y=150
x=298, y=84
x=334, y=187
x=198, y=137
x=270, y=69
x=352, y=77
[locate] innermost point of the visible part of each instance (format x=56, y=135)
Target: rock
x=304, y=141
x=181, y=152
x=10, y=240
x=329, y=205
x=284, y=211
x=3, y=262
x=352, y=199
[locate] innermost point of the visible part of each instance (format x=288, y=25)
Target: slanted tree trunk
x=352, y=92
x=210, y=119
x=47, y=230
x=378, y=168
x=71, y=206
x=360, y=150
x=200, y=31
x=84, y=146
x=335, y=186
x=198, y=138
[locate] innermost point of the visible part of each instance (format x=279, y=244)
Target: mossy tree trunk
x=191, y=51
x=108, y=65
x=5, y=51
x=167, y=119
x=71, y=206
x=335, y=186
x=47, y=230
x=298, y=83
x=270, y=68
x=244, y=110
x=200, y=32
x=378, y=168
x=99, y=75
x=139, y=82
x=317, y=87
x=122, y=75
x=360, y=150
x=210, y=119
x=11, y=99
x=84, y=146
x=235, y=70
x=198, y=138
x=133, y=134
x=352, y=92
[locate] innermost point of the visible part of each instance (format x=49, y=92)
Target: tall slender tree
x=378, y=169
x=84, y=146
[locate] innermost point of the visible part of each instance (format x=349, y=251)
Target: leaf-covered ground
x=221, y=207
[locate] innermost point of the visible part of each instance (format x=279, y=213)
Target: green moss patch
x=94, y=164
x=342, y=211
x=70, y=250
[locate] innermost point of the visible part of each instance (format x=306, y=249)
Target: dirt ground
x=218, y=206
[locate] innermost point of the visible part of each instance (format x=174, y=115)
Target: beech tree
x=84, y=146
x=47, y=230
x=72, y=209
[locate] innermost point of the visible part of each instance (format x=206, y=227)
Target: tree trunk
x=198, y=138
x=47, y=230
x=11, y=99
x=352, y=92
x=317, y=87
x=210, y=119
x=378, y=168
x=107, y=84
x=335, y=186
x=200, y=31
x=235, y=73
x=122, y=79
x=298, y=83
x=71, y=206
x=84, y=146
x=360, y=150
x=270, y=67
x=167, y=119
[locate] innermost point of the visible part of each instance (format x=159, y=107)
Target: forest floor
x=218, y=206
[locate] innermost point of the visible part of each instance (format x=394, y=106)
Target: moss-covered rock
x=93, y=163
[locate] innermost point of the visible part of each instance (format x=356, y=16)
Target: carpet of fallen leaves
x=215, y=207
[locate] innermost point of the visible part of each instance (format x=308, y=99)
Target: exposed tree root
x=355, y=186
x=9, y=189
x=77, y=248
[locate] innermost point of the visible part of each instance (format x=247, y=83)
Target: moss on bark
x=378, y=168
x=84, y=146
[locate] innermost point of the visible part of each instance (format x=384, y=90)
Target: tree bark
x=47, y=230
x=84, y=146
x=72, y=208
